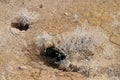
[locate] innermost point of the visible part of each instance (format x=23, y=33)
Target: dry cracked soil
x=19, y=58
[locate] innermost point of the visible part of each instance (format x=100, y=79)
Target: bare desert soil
x=18, y=53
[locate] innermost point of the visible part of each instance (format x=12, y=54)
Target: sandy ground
x=18, y=60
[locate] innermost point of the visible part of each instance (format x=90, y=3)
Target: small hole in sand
x=41, y=6
x=54, y=56
x=20, y=26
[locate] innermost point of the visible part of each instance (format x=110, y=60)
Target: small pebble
x=66, y=14
x=22, y=67
x=14, y=31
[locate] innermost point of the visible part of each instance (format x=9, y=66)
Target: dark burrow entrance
x=54, y=56
x=20, y=26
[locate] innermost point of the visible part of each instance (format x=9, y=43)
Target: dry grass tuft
x=24, y=18
x=82, y=47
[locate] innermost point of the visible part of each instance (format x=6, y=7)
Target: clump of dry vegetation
x=23, y=19
x=75, y=51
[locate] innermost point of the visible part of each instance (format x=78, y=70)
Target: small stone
x=66, y=14
x=22, y=67
x=48, y=44
x=24, y=63
x=41, y=63
x=14, y=31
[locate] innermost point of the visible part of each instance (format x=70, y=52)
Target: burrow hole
x=20, y=26
x=53, y=56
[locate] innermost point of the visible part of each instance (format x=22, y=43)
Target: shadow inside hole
x=53, y=56
x=20, y=26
